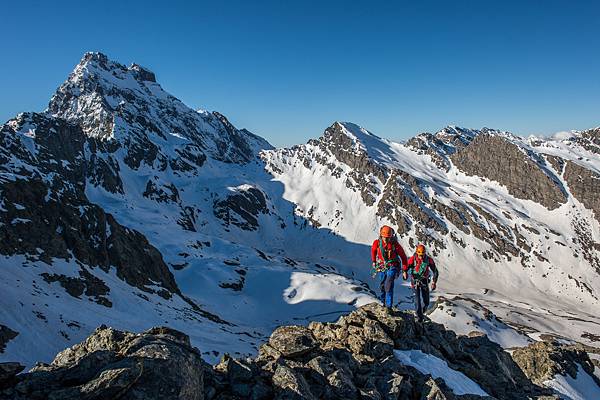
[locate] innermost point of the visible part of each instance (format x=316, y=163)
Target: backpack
x=423, y=270
x=386, y=263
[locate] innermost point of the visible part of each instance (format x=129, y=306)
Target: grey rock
x=242, y=208
x=292, y=341
x=496, y=158
x=62, y=222
x=342, y=384
x=8, y=371
x=159, y=363
x=324, y=361
x=290, y=385
x=585, y=186
x=541, y=361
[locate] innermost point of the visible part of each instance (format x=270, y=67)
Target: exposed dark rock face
x=405, y=203
x=585, y=241
x=104, y=172
x=157, y=364
x=161, y=194
x=353, y=359
x=441, y=145
x=87, y=283
x=8, y=371
x=495, y=158
x=6, y=335
x=346, y=150
x=292, y=341
x=46, y=205
x=237, y=142
x=364, y=173
x=142, y=73
x=540, y=361
x=584, y=184
x=137, y=262
x=242, y=208
x=589, y=140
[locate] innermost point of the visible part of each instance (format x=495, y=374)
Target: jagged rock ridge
x=351, y=359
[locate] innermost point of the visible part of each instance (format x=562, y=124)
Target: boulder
x=110, y=364
x=8, y=371
x=541, y=361
x=292, y=341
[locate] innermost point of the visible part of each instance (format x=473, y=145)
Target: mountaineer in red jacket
x=419, y=266
x=388, y=259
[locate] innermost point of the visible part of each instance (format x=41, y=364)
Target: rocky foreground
x=350, y=359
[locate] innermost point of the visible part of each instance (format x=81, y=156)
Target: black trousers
x=421, y=292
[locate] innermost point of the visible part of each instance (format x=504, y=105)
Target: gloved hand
x=433, y=286
x=412, y=284
x=404, y=275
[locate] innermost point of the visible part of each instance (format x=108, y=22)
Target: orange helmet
x=420, y=250
x=386, y=231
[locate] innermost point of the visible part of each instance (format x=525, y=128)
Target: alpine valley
x=121, y=206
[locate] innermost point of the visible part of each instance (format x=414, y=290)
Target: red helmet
x=386, y=231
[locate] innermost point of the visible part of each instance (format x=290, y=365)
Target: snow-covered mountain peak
x=349, y=137
x=98, y=63
x=127, y=106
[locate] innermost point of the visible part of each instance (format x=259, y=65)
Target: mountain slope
x=498, y=212
x=120, y=205
x=120, y=201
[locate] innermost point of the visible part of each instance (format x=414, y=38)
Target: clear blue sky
x=286, y=70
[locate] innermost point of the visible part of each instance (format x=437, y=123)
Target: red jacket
x=414, y=266
x=392, y=249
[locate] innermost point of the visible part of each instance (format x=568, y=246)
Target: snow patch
x=309, y=286
x=438, y=368
x=583, y=387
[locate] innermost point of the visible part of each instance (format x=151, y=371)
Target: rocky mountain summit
x=357, y=357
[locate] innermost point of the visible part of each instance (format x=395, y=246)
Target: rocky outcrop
x=354, y=359
x=336, y=140
x=8, y=372
x=6, y=335
x=541, y=361
x=339, y=142
x=242, y=208
x=47, y=215
x=350, y=359
x=86, y=283
x=405, y=203
x=442, y=144
x=157, y=364
x=496, y=158
x=584, y=184
x=589, y=140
